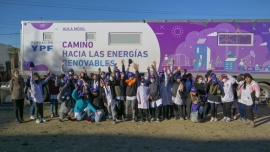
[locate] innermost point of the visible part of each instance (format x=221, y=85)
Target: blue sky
x=12, y=12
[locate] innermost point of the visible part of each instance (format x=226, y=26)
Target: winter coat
x=17, y=88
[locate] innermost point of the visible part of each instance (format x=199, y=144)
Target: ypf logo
x=42, y=47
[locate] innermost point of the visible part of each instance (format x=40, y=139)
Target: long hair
x=247, y=75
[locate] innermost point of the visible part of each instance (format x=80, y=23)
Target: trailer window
x=124, y=38
x=235, y=39
x=47, y=36
x=90, y=36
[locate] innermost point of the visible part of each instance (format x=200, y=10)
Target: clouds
x=263, y=44
x=212, y=34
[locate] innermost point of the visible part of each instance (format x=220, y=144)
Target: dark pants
x=54, y=103
x=39, y=109
x=207, y=109
x=166, y=111
x=120, y=107
x=226, y=107
x=159, y=111
x=18, y=106
x=144, y=113
x=242, y=110
x=249, y=112
x=214, y=110
x=179, y=110
x=188, y=108
x=171, y=107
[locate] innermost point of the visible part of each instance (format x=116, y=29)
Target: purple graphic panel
x=41, y=26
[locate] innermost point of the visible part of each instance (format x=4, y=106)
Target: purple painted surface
x=41, y=26
x=180, y=42
x=39, y=67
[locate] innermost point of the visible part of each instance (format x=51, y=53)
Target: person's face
x=194, y=93
x=248, y=79
x=75, y=77
x=199, y=79
x=178, y=80
x=16, y=73
x=94, y=77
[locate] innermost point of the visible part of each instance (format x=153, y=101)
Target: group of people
x=127, y=95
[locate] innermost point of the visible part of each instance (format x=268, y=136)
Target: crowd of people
x=124, y=94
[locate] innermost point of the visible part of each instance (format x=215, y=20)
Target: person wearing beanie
x=227, y=97
x=201, y=91
x=249, y=93
x=110, y=99
x=143, y=104
x=163, y=91
x=98, y=102
x=17, y=85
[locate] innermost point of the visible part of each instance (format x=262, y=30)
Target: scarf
x=130, y=82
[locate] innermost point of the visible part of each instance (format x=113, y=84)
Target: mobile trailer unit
x=231, y=46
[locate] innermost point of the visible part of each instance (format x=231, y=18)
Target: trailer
x=231, y=46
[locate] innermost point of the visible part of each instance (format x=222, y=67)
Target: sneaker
x=126, y=119
x=234, y=117
x=142, y=121
x=244, y=120
x=181, y=118
x=215, y=119
x=166, y=119
x=228, y=120
x=37, y=121
x=212, y=119
x=152, y=119
x=175, y=118
x=134, y=119
x=224, y=119
x=240, y=119
x=21, y=120
x=89, y=121
x=114, y=122
x=32, y=118
x=43, y=120
x=247, y=122
x=158, y=120
x=52, y=115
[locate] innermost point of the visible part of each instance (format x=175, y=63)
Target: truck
x=230, y=46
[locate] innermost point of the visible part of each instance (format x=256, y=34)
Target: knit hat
x=213, y=75
x=193, y=89
x=214, y=80
x=70, y=72
x=152, y=77
x=130, y=74
x=142, y=80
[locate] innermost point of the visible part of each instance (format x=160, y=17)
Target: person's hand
x=122, y=61
x=148, y=68
x=122, y=75
x=178, y=68
x=49, y=70
x=84, y=68
x=136, y=66
x=212, y=68
x=63, y=63
x=164, y=69
x=109, y=64
x=257, y=102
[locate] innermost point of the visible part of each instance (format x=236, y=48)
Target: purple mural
x=199, y=46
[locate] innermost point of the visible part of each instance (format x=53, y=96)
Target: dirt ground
x=170, y=135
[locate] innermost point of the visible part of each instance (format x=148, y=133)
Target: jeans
x=134, y=105
x=242, y=110
x=18, y=106
x=214, y=110
x=54, y=102
x=112, y=111
x=32, y=108
x=179, y=110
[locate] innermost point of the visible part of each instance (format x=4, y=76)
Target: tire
x=265, y=92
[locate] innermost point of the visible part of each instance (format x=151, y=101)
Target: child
x=195, y=99
x=64, y=99
x=214, y=97
x=110, y=98
x=142, y=97
x=82, y=105
x=54, y=91
x=37, y=94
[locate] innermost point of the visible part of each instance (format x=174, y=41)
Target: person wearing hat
x=98, y=102
x=143, y=104
x=82, y=105
x=54, y=91
x=195, y=99
x=177, y=92
x=37, y=94
x=110, y=99
x=155, y=95
x=249, y=93
x=201, y=91
x=163, y=76
x=227, y=97
x=64, y=98
x=170, y=105
x=17, y=85
x=214, y=99
x=131, y=85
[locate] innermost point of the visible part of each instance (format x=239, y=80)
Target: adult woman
x=249, y=94
x=201, y=90
x=17, y=85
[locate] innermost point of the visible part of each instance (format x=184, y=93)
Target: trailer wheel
x=265, y=92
